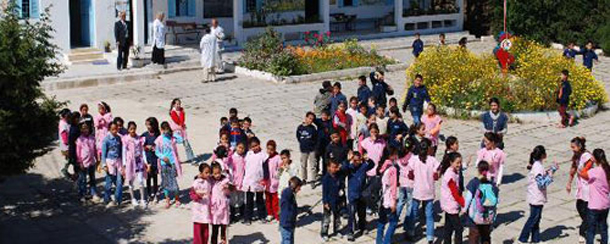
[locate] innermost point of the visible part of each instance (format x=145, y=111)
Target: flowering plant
x=314, y=39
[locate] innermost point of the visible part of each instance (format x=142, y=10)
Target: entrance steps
x=85, y=55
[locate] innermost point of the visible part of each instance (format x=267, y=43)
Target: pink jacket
x=201, y=207
x=254, y=172
x=102, y=122
x=167, y=147
x=133, y=156
x=220, y=201
x=274, y=178
x=374, y=150
x=448, y=202
x=404, y=180
x=62, y=132
x=582, y=185
x=175, y=127
x=389, y=184
x=495, y=158
x=423, y=187
x=86, y=153
x=237, y=164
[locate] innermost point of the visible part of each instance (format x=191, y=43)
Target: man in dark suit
x=121, y=35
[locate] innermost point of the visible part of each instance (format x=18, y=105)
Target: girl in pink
x=272, y=181
x=388, y=213
x=134, y=163
x=494, y=156
x=221, y=156
x=220, y=204
x=200, y=194
x=63, y=131
x=599, y=189
x=432, y=122
x=254, y=180
x=178, y=125
x=102, y=124
x=237, y=164
x=86, y=157
x=374, y=146
x=451, y=199
x=405, y=190
x=582, y=161
x=538, y=181
x=423, y=170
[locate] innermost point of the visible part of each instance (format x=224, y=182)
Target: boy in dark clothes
x=418, y=46
x=380, y=88
x=588, y=55
x=73, y=134
x=324, y=126
x=563, y=98
x=289, y=211
x=307, y=136
x=331, y=187
x=569, y=52
x=236, y=134
x=416, y=96
x=356, y=181
x=364, y=92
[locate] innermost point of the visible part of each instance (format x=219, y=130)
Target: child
x=381, y=89
x=86, y=157
x=352, y=112
x=441, y=40
x=539, y=179
x=63, y=132
x=178, y=125
x=356, y=170
x=151, y=134
x=405, y=190
x=73, y=134
x=85, y=117
x=336, y=149
x=381, y=120
x=336, y=98
x=391, y=103
x=121, y=124
x=253, y=179
x=452, y=145
x=423, y=170
x=481, y=203
x=200, y=194
x=494, y=156
x=397, y=129
x=433, y=123
x=111, y=160
x=358, y=123
x=219, y=204
x=416, y=96
x=134, y=163
x=322, y=99
x=102, y=123
x=451, y=198
x=374, y=146
x=289, y=210
x=247, y=124
x=341, y=122
x=272, y=180
x=417, y=134
x=330, y=199
x=598, y=179
x=372, y=105
x=563, y=99
x=418, y=46
x=324, y=125
x=166, y=151
x=582, y=160
x=287, y=169
x=236, y=134
x=233, y=114
x=569, y=51
x=307, y=137
x=221, y=156
x=224, y=125
x=364, y=92
x=588, y=55
x=387, y=213
x=237, y=165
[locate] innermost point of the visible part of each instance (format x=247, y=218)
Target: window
x=217, y=8
x=27, y=8
x=181, y=8
x=250, y=6
x=348, y=2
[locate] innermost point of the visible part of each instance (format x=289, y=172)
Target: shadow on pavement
x=256, y=237
x=507, y=218
x=512, y=178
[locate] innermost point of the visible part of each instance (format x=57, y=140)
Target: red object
x=455, y=192
x=201, y=233
x=271, y=202
x=411, y=175
x=178, y=117
x=193, y=195
x=342, y=131
x=505, y=58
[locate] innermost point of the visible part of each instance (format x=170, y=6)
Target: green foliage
x=562, y=21
x=28, y=118
x=267, y=53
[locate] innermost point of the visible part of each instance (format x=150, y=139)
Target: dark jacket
x=330, y=190
x=236, y=135
x=415, y=99
x=587, y=57
x=356, y=178
x=324, y=130
x=336, y=151
x=121, y=32
x=151, y=157
x=396, y=127
x=380, y=89
x=322, y=102
x=494, y=126
x=72, y=136
x=334, y=102
x=364, y=92
x=566, y=91
x=418, y=47
x=288, y=209
x=307, y=136
x=569, y=53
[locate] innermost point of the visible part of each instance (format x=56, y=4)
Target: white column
x=460, y=20
x=238, y=14
x=325, y=13
x=138, y=22
x=398, y=15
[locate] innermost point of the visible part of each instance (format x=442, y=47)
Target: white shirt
x=219, y=33
x=208, y=47
x=158, y=34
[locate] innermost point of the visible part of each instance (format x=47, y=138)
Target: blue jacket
x=73, y=134
x=494, y=126
x=307, y=136
x=566, y=89
x=380, y=89
x=324, y=130
x=397, y=127
x=418, y=47
x=334, y=102
x=288, y=209
x=415, y=99
x=587, y=57
x=151, y=157
x=236, y=135
x=337, y=151
x=569, y=53
x=356, y=178
x=112, y=147
x=330, y=190
x=364, y=92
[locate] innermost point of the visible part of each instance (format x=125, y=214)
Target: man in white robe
x=208, y=48
x=219, y=33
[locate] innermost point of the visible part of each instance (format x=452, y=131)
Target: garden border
x=526, y=117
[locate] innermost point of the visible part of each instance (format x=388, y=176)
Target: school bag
x=484, y=203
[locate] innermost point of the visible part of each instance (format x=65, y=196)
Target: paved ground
x=41, y=207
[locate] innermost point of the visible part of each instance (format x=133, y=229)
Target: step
x=72, y=57
x=84, y=50
x=89, y=61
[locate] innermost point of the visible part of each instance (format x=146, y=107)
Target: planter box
x=138, y=63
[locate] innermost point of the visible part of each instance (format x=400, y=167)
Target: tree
x=28, y=118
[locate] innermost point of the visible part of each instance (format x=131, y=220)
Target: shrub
x=460, y=79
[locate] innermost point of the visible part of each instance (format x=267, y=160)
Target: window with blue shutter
x=34, y=9
x=192, y=8
x=390, y=2
x=171, y=8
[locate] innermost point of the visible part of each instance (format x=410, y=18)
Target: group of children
x=588, y=53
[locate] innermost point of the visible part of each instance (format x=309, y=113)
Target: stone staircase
x=85, y=55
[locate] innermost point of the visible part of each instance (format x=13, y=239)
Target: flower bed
x=458, y=78
x=268, y=53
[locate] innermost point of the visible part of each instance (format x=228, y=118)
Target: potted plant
x=107, y=46
x=136, y=59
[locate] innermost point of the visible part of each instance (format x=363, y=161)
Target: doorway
x=81, y=23
x=312, y=11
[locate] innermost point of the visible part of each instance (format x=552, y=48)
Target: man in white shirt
x=219, y=33
x=208, y=47
x=158, y=54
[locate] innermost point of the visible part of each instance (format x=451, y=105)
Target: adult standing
x=495, y=121
x=208, y=56
x=322, y=100
x=121, y=35
x=219, y=33
x=158, y=54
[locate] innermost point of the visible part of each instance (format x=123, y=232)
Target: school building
x=88, y=24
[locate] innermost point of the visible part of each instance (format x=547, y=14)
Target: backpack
x=483, y=207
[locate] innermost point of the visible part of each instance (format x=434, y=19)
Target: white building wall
x=60, y=17
x=104, y=12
